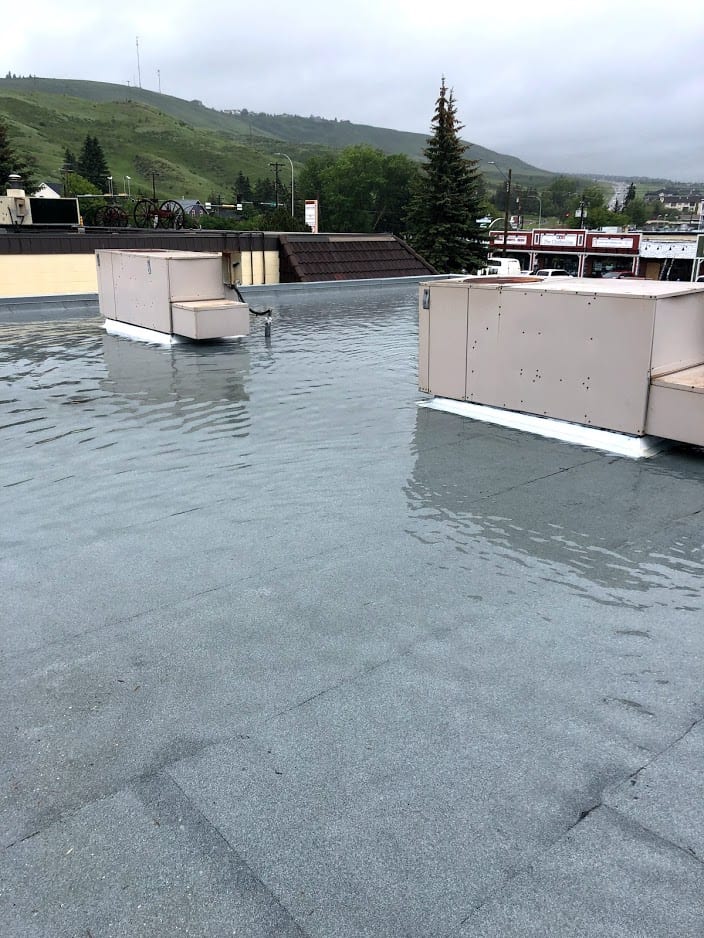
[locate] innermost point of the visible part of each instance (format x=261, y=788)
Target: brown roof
x=309, y=258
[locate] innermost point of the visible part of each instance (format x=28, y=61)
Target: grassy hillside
x=195, y=149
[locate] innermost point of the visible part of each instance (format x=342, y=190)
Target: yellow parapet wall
x=56, y=274
x=47, y=274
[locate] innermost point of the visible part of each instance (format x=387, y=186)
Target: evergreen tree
x=263, y=190
x=243, y=188
x=92, y=164
x=630, y=195
x=442, y=221
x=11, y=162
x=70, y=161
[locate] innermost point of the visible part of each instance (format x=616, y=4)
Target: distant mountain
x=196, y=150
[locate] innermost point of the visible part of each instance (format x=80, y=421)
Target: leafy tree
x=447, y=201
x=78, y=185
x=11, y=162
x=594, y=196
x=560, y=197
x=92, y=164
x=400, y=177
x=360, y=189
x=597, y=213
x=280, y=219
x=313, y=183
x=630, y=195
x=637, y=212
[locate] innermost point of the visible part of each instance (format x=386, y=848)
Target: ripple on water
x=330, y=402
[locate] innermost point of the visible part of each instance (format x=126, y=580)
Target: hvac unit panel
x=447, y=344
x=483, y=378
x=142, y=290
x=678, y=339
x=677, y=413
x=195, y=277
x=210, y=319
x=424, y=337
x=576, y=357
x=106, y=286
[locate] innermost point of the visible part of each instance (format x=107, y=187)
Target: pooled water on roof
x=325, y=413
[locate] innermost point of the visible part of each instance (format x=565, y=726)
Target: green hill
x=194, y=149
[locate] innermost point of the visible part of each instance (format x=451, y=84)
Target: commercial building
x=655, y=256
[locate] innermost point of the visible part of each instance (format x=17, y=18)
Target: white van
x=501, y=267
x=552, y=272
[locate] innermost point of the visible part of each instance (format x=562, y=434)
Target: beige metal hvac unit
x=625, y=355
x=171, y=292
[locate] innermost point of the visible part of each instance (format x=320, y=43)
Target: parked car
x=621, y=275
x=552, y=272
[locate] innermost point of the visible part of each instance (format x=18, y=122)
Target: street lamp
x=540, y=203
x=109, y=179
x=128, y=180
x=291, y=162
x=508, y=199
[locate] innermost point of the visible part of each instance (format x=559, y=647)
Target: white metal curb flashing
x=128, y=331
x=620, y=444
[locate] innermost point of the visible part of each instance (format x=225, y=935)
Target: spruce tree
x=92, y=164
x=442, y=219
x=11, y=162
x=243, y=188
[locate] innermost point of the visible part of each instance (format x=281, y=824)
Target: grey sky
x=598, y=87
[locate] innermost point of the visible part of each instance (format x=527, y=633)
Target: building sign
x=685, y=249
x=560, y=239
x=612, y=242
x=519, y=240
x=311, y=215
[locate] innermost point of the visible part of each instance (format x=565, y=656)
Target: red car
x=621, y=275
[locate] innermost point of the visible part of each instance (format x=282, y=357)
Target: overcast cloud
x=598, y=87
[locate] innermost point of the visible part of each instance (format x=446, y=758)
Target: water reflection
x=589, y=520
x=69, y=378
x=203, y=385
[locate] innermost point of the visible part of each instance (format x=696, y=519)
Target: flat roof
x=285, y=654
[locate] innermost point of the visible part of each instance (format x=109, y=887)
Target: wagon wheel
x=145, y=213
x=115, y=217
x=171, y=214
x=99, y=217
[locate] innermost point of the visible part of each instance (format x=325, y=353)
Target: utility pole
x=139, y=71
x=582, y=212
x=508, y=199
x=291, y=162
x=277, y=166
x=158, y=75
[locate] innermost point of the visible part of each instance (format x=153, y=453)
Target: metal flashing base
x=128, y=331
x=620, y=444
